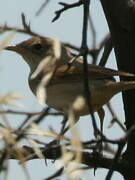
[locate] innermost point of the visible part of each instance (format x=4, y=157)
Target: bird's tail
x=122, y=86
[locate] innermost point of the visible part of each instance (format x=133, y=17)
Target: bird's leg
x=101, y=114
x=64, y=129
x=62, y=132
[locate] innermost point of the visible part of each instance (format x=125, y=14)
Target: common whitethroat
x=52, y=63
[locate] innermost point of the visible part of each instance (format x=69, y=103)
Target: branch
x=26, y=28
x=25, y=31
x=89, y=159
x=66, y=7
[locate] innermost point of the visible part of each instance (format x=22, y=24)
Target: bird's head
x=36, y=49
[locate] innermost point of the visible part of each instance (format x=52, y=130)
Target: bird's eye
x=37, y=46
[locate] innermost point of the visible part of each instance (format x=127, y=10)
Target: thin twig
x=115, y=119
x=24, y=123
x=94, y=52
x=25, y=25
x=66, y=7
x=36, y=121
x=8, y=111
x=108, y=45
x=84, y=48
x=56, y=174
x=76, y=48
x=116, y=158
x=92, y=27
x=43, y=6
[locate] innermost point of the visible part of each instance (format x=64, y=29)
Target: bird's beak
x=15, y=49
x=11, y=48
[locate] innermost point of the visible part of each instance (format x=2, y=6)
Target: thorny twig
x=26, y=28
x=8, y=28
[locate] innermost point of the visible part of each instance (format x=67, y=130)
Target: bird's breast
x=61, y=95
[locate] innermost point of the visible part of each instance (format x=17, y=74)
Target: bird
x=60, y=73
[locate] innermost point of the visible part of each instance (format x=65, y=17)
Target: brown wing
x=94, y=72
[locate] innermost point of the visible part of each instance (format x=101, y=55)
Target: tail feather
x=107, y=72
x=121, y=86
